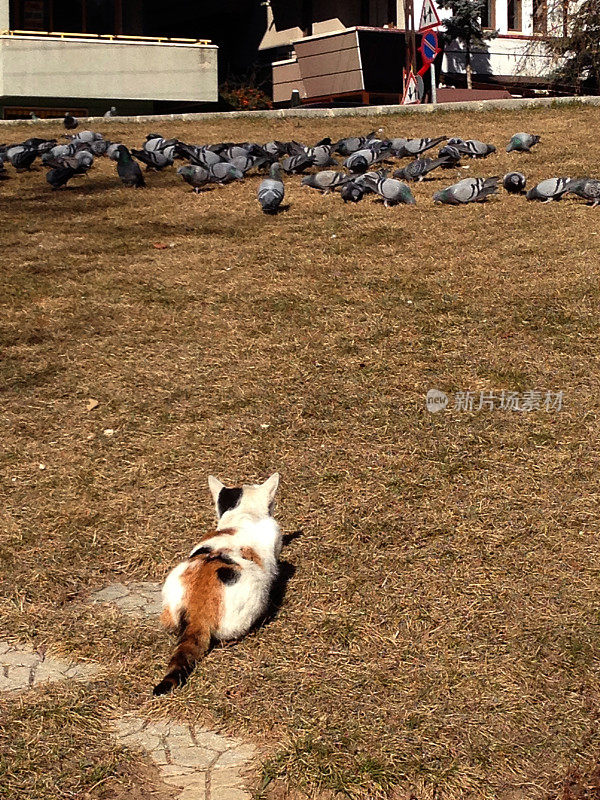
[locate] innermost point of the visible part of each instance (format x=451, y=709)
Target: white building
x=313, y=37
x=58, y=55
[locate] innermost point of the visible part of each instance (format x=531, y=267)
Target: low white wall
x=511, y=57
x=123, y=70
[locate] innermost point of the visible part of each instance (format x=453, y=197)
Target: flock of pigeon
x=225, y=162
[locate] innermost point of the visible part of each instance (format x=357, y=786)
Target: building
x=85, y=55
x=315, y=47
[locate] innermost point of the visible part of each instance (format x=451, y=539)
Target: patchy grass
x=440, y=632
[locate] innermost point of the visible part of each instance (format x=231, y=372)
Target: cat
x=222, y=589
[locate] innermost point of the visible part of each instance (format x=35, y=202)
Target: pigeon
x=112, y=151
x=522, y=142
x=361, y=160
x=99, y=147
x=417, y=169
x=87, y=137
x=354, y=190
x=154, y=159
x=452, y=155
x=128, y=170
x=514, y=182
x=112, y=112
x=197, y=177
x=84, y=158
x=321, y=154
x=62, y=170
x=224, y=172
x=392, y=191
x=34, y=116
x=588, y=188
x=70, y=122
x=271, y=191
x=294, y=165
x=548, y=190
x=248, y=162
x=200, y=156
x=414, y=147
x=276, y=149
x=469, y=190
x=345, y=147
x=473, y=148
x=21, y=156
x=325, y=181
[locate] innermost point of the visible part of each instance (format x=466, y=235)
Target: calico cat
x=222, y=589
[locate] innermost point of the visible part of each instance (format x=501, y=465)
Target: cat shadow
x=287, y=570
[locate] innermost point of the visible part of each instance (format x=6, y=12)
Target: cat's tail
x=193, y=644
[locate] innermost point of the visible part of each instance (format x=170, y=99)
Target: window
x=540, y=16
x=488, y=14
x=514, y=15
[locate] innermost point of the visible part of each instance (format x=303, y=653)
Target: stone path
x=22, y=668
x=199, y=764
x=202, y=764
x=138, y=599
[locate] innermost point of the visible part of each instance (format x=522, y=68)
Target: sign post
x=429, y=42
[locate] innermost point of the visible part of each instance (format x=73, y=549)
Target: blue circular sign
x=429, y=46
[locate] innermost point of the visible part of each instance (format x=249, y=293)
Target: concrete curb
x=318, y=113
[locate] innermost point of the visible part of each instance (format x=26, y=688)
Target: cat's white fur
x=246, y=600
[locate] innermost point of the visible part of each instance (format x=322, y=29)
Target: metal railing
x=107, y=37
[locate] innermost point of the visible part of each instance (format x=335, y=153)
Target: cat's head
x=256, y=499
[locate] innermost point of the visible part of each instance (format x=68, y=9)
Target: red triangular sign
x=429, y=16
x=411, y=90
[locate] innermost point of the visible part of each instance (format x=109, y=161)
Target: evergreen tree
x=465, y=26
x=578, y=49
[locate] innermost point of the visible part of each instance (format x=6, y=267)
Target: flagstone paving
x=199, y=764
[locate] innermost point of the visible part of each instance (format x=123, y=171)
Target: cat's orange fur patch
x=251, y=555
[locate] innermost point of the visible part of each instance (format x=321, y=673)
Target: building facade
x=515, y=58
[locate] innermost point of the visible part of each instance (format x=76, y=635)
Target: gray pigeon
x=402, y=148
x=154, y=159
x=416, y=170
x=87, y=136
x=224, y=172
x=361, y=160
x=514, y=182
x=522, y=142
x=548, y=190
x=473, y=148
x=197, y=177
x=355, y=189
x=128, y=170
x=588, y=188
x=112, y=151
x=112, y=112
x=296, y=164
x=21, y=156
x=84, y=159
x=325, y=181
x=392, y=191
x=70, y=122
x=271, y=191
x=351, y=144
x=452, y=155
x=469, y=190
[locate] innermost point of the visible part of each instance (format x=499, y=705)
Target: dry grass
x=440, y=634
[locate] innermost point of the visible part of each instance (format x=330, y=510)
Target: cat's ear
x=270, y=488
x=215, y=486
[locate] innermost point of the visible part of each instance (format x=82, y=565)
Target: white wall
x=85, y=68
x=4, y=15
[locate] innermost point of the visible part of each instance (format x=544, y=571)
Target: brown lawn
x=440, y=631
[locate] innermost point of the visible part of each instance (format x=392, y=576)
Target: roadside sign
x=429, y=47
x=429, y=16
x=411, y=90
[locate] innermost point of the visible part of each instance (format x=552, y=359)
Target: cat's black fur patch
x=201, y=551
x=227, y=575
x=228, y=499
x=221, y=557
